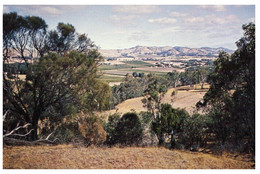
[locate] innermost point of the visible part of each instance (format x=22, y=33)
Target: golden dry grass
x=69, y=157
x=186, y=98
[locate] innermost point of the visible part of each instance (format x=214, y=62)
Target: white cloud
x=136, y=9
x=211, y=20
x=218, y=8
x=139, y=36
x=177, y=14
x=52, y=10
x=163, y=20
x=123, y=20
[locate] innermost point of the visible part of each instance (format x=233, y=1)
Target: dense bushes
x=110, y=127
x=167, y=123
x=67, y=133
x=194, y=131
x=129, y=130
x=84, y=129
x=92, y=130
x=134, y=87
x=125, y=131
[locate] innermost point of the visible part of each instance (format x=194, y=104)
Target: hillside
x=70, y=157
x=144, y=51
x=186, y=98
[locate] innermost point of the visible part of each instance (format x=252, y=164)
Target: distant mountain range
x=146, y=51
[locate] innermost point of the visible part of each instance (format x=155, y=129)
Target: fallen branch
x=47, y=139
x=17, y=128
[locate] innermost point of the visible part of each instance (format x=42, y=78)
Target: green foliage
x=168, y=122
x=110, y=127
x=231, y=97
x=133, y=87
x=173, y=78
x=192, y=76
x=129, y=130
x=84, y=129
x=22, y=33
x=145, y=118
x=57, y=86
x=67, y=133
x=154, y=93
x=126, y=130
x=187, y=78
x=194, y=131
x=135, y=74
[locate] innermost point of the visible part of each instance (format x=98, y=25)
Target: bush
x=129, y=130
x=194, y=131
x=67, y=133
x=92, y=130
x=110, y=127
x=84, y=129
x=168, y=123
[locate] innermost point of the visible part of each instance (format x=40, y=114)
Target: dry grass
x=186, y=98
x=69, y=157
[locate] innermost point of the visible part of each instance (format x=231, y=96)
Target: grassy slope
x=184, y=99
x=69, y=157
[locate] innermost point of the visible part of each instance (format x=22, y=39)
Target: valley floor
x=70, y=157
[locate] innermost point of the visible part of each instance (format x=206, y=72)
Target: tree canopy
x=231, y=97
x=65, y=78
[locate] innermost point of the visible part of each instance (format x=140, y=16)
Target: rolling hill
x=146, y=51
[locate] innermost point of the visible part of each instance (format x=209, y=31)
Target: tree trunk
x=172, y=140
x=35, y=119
x=161, y=141
x=34, y=135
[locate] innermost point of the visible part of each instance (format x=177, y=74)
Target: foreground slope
x=70, y=157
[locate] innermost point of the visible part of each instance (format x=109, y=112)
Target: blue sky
x=125, y=26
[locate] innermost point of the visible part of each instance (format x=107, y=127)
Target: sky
x=125, y=26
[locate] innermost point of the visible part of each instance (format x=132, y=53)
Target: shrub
x=83, y=129
x=92, y=130
x=67, y=132
x=110, y=127
x=129, y=130
x=194, y=131
x=168, y=123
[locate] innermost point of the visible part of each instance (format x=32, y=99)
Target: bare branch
x=21, y=135
x=49, y=136
x=17, y=128
x=4, y=116
x=47, y=141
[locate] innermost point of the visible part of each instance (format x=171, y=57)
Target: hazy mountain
x=145, y=51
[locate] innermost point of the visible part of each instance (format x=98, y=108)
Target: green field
x=112, y=78
x=128, y=67
x=114, y=67
x=137, y=64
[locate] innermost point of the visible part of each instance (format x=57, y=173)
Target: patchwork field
x=118, y=69
x=70, y=157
